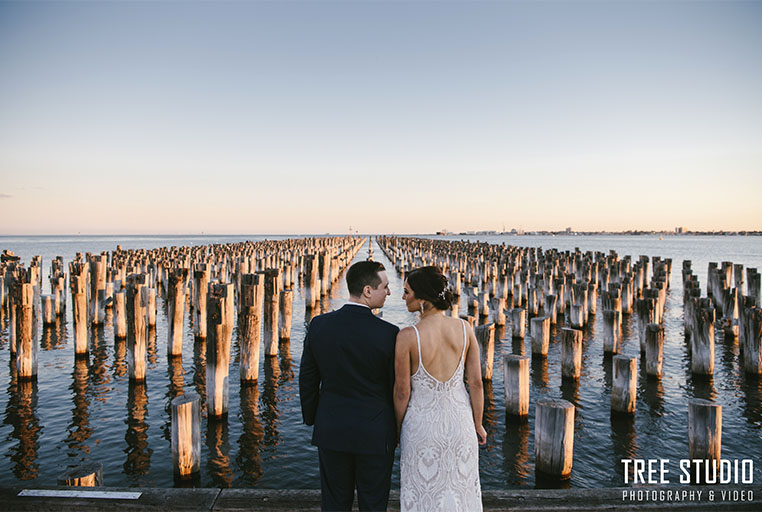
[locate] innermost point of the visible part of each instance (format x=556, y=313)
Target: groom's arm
x=309, y=382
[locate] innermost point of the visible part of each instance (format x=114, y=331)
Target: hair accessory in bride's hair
x=443, y=293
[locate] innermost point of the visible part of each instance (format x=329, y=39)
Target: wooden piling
x=610, y=332
x=217, y=352
x=550, y=307
x=176, y=312
x=623, y=388
x=516, y=385
x=286, y=310
x=571, y=353
x=26, y=348
x=186, y=436
x=702, y=343
x=136, y=329
x=200, y=291
x=485, y=336
x=48, y=310
x=540, y=330
x=518, y=323
x=654, y=350
x=554, y=438
x=149, y=299
x=752, y=355
x=120, y=315
x=271, y=311
x=79, y=302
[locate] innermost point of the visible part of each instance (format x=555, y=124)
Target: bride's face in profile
x=408, y=296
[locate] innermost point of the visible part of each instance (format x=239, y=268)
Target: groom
x=345, y=385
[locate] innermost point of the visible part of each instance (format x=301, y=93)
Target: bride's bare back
x=441, y=346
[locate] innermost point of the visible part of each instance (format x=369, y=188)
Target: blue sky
x=310, y=117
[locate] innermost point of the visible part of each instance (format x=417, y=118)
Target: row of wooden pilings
x=250, y=281
x=554, y=287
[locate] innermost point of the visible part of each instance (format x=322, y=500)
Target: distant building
x=679, y=230
x=568, y=231
x=443, y=232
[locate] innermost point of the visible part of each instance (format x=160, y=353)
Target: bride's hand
x=481, y=434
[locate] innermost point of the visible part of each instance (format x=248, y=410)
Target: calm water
x=88, y=411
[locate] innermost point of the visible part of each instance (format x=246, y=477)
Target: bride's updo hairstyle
x=428, y=283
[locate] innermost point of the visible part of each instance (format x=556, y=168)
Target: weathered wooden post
x=571, y=353
x=79, y=302
x=48, y=309
x=286, y=310
x=518, y=322
x=592, y=298
x=89, y=474
x=26, y=348
x=654, y=350
x=516, y=383
x=311, y=291
x=702, y=343
x=176, y=311
x=136, y=328
x=200, y=291
x=646, y=310
x=610, y=331
x=271, y=310
x=704, y=435
x=149, y=299
x=576, y=316
x=485, y=335
x=186, y=436
x=249, y=326
x=484, y=304
x=550, y=307
x=217, y=352
x=97, y=283
x=540, y=330
x=120, y=315
x=500, y=313
x=752, y=355
x=554, y=438
x=623, y=388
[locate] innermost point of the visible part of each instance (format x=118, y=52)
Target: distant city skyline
x=389, y=117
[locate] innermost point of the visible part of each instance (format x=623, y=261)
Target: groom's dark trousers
x=346, y=381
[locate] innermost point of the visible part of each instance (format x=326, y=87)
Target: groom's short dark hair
x=361, y=274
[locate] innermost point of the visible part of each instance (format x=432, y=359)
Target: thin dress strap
x=465, y=340
x=418, y=341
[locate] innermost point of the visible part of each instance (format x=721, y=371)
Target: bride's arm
x=475, y=385
x=402, y=352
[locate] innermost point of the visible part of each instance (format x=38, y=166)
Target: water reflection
x=79, y=429
x=199, y=371
x=120, y=354
x=287, y=370
x=490, y=420
x=249, y=458
x=539, y=372
x=624, y=441
x=752, y=399
x=517, y=346
x=53, y=335
x=651, y=390
x=570, y=392
x=516, y=452
x=175, y=386
x=138, y=452
x=151, y=344
x=269, y=411
x=218, y=464
x=21, y=415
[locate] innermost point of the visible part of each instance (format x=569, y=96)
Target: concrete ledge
x=228, y=500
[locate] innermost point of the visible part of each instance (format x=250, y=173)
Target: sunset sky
x=404, y=117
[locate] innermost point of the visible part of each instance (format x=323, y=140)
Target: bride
x=439, y=424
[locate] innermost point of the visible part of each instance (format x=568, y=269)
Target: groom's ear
x=366, y=290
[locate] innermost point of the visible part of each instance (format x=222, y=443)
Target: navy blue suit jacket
x=346, y=381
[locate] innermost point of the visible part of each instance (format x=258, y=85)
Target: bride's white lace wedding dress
x=440, y=453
